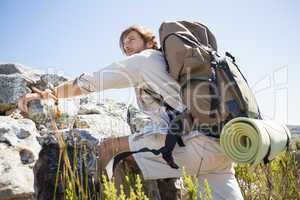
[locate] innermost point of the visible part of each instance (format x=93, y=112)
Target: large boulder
x=48, y=81
x=102, y=124
x=18, y=152
x=29, y=74
x=16, y=81
x=12, y=88
x=84, y=122
x=80, y=149
x=92, y=104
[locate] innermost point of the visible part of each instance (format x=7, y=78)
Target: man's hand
x=23, y=102
x=47, y=94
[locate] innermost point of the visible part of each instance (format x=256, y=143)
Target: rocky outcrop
x=80, y=150
x=49, y=81
x=29, y=152
x=19, y=150
x=17, y=80
x=12, y=88
x=21, y=142
x=30, y=74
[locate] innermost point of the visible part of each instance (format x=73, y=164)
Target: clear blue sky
x=76, y=36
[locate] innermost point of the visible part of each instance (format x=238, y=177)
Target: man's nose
x=126, y=49
x=126, y=46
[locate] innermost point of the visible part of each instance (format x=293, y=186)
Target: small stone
x=26, y=156
x=22, y=134
x=41, y=127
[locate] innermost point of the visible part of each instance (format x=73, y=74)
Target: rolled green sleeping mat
x=246, y=140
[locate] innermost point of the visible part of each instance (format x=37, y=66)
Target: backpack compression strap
x=166, y=152
x=170, y=141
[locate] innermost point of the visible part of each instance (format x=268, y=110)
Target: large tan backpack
x=213, y=88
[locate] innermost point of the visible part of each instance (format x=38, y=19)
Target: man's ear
x=149, y=45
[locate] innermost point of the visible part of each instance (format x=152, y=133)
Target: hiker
x=144, y=68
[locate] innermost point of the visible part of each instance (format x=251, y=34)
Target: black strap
x=166, y=151
x=121, y=156
x=230, y=56
x=170, y=141
x=171, y=138
x=266, y=158
x=288, y=141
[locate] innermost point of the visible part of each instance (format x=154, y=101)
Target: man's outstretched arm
x=67, y=89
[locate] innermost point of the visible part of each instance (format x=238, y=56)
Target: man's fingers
x=32, y=96
x=45, y=94
x=36, y=90
x=48, y=95
x=25, y=106
x=53, y=97
x=20, y=104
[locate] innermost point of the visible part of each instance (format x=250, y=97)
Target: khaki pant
x=202, y=157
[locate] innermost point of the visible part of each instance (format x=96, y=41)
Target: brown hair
x=146, y=34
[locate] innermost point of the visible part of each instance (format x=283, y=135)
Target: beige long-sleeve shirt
x=145, y=71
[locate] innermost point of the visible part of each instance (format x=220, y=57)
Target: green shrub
x=279, y=179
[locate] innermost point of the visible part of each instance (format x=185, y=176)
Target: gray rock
x=22, y=134
x=104, y=125
x=16, y=80
x=29, y=74
x=87, y=109
x=88, y=102
x=18, y=152
x=83, y=123
x=10, y=69
x=49, y=81
x=12, y=88
x=41, y=112
x=136, y=119
x=26, y=156
x=16, y=178
x=53, y=79
x=81, y=156
x=90, y=105
x=115, y=109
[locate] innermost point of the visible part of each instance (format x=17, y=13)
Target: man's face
x=133, y=43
